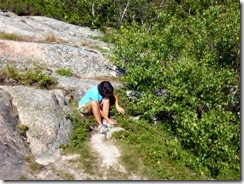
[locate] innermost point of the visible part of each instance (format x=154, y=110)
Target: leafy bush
x=193, y=55
x=95, y=14
x=160, y=152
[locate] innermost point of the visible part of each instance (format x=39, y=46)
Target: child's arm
x=118, y=108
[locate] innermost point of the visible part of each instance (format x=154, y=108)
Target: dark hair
x=105, y=88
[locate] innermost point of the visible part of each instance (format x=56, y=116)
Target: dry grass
x=50, y=38
x=9, y=36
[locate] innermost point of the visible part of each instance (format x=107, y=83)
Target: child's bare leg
x=94, y=107
x=105, y=107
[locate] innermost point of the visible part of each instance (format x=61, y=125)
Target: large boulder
x=42, y=112
x=13, y=148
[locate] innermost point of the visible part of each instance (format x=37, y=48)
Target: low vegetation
x=22, y=129
x=6, y=36
x=189, y=79
x=144, y=147
x=31, y=77
x=32, y=164
x=152, y=150
x=64, y=72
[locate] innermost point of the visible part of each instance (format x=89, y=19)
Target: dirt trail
x=106, y=167
x=108, y=153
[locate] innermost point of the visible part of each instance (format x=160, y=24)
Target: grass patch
x=48, y=39
x=33, y=165
x=154, y=154
x=22, y=130
x=87, y=162
x=31, y=77
x=65, y=175
x=80, y=132
x=64, y=72
x=92, y=45
x=7, y=36
x=129, y=158
x=23, y=178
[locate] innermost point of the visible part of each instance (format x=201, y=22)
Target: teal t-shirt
x=91, y=94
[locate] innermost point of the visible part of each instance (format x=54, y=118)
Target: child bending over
x=97, y=101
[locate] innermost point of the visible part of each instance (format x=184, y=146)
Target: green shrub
x=95, y=14
x=161, y=153
x=194, y=58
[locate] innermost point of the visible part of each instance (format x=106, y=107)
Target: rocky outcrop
x=50, y=44
x=81, y=61
x=41, y=111
x=12, y=145
x=54, y=44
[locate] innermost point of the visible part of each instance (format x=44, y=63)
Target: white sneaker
x=104, y=122
x=102, y=129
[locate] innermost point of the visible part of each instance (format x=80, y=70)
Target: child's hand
x=120, y=110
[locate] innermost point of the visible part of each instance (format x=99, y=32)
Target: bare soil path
x=107, y=166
